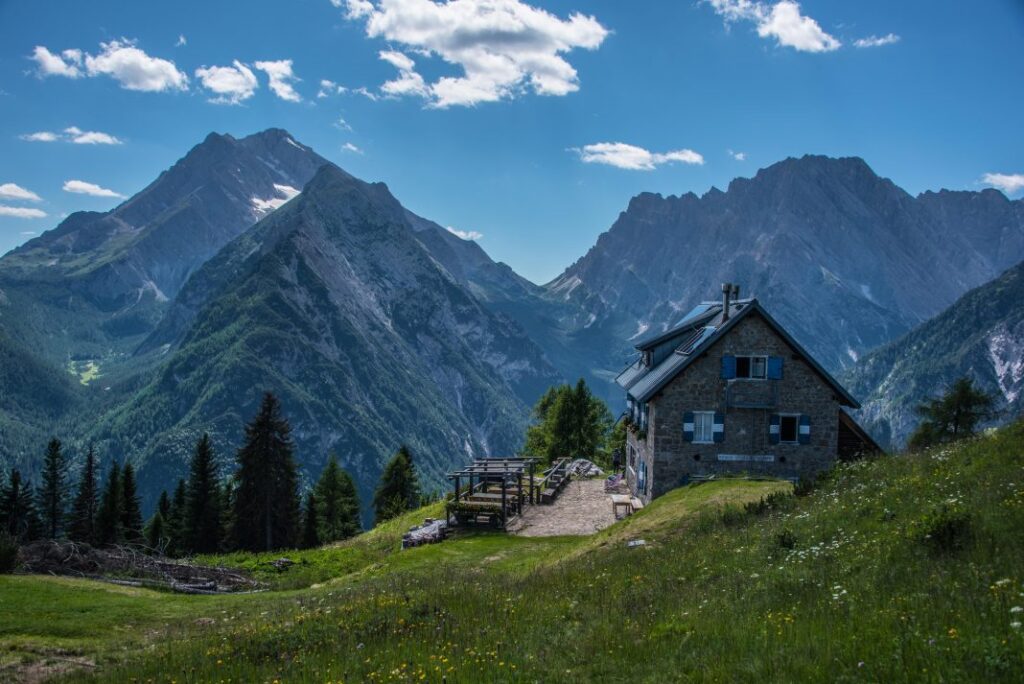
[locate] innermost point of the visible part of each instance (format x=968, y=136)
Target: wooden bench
x=636, y=504
x=621, y=501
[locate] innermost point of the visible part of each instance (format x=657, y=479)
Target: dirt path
x=583, y=508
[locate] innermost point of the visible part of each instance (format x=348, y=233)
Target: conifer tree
x=337, y=504
x=52, y=495
x=399, y=488
x=570, y=422
x=131, y=509
x=18, y=516
x=954, y=415
x=163, y=505
x=227, y=508
x=109, y=529
x=156, y=534
x=202, y=524
x=82, y=522
x=174, y=523
x=266, y=510
x=310, y=523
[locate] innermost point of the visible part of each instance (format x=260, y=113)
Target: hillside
x=333, y=304
x=899, y=569
x=980, y=336
x=844, y=259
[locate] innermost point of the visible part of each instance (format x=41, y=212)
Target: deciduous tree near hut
x=266, y=497
x=569, y=422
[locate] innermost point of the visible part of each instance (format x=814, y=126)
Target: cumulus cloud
x=83, y=188
x=73, y=134
x=11, y=191
x=328, y=88
x=876, y=41
x=230, y=84
x=465, y=234
x=119, y=59
x=634, y=158
x=349, y=147
x=781, y=21
x=503, y=47
x=67, y=64
x=281, y=77
x=40, y=136
x=1007, y=182
x=21, y=212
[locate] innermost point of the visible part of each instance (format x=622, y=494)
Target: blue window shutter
x=728, y=367
x=688, y=426
x=805, y=429
x=773, y=429
x=718, y=428
x=774, y=367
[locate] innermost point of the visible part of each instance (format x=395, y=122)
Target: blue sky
x=530, y=123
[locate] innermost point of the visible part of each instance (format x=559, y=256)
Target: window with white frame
x=752, y=367
x=703, y=427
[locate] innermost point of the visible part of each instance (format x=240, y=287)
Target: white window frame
x=796, y=428
x=751, y=357
x=697, y=418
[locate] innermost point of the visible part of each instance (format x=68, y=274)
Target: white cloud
x=12, y=191
x=328, y=88
x=73, y=134
x=21, y=212
x=231, y=84
x=349, y=147
x=134, y=69
x=503, y=47
x=876, y=41
x=281, y=77
x=40, y=136
x=738, y=156
x=634, y=158
x=181, y=41
x=67, y=64
x=369, y=95
x=782, y=21
x=341, y=124
x=84, y=188
x=465, y=234
x=1007, y=182
x=80, y=137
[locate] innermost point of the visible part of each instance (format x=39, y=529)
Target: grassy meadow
x=905, y=568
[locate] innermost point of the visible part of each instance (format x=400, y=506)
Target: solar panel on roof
x=696, y=340
x=694, y=312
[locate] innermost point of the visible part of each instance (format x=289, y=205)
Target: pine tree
x=266, y=511
x=202, y=525
x=82, y=523
x=163, y=505
x=227, y=507
x=310, y=523
x=570, y=422
x=334, y=505
x=18, y=516
x=52, y=495
x=109, y=529
x=954, y=415
x=156, y=534
x=131, y=509
x=399, y=488
x=174, y=523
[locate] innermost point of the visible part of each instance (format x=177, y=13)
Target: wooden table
x=622, y=500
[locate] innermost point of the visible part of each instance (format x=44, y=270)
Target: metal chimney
x=726, y=291
x=735, y=292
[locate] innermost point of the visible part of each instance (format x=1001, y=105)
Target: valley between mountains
x=255, y=264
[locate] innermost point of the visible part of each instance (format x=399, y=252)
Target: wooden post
x=504, y=512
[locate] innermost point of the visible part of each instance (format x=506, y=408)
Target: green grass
x=842, y=585
x=85, y=371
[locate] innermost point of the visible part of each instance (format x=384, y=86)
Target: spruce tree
x=174, y=523
x=82, y=522
x=156, y=534
x=109, y=529
x=131, y=509
x=399, y=488
x=227, y=508
x=52, y=495
x=202, y=524
x=310, y=523
x=332, y=507
x=163, y=505
x=954, y=415
x=266, y=510
x=350, y=523
x=18, y=516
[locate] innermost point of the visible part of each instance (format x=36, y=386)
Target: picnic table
x=621, y=500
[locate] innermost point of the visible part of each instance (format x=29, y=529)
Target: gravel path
x=582, y=508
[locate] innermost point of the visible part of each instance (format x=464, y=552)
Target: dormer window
x=752, y=367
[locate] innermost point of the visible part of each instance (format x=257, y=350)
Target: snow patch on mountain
x=1006, y=351
x=284, y=194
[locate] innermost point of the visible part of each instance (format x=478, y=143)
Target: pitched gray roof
x=643, y=383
